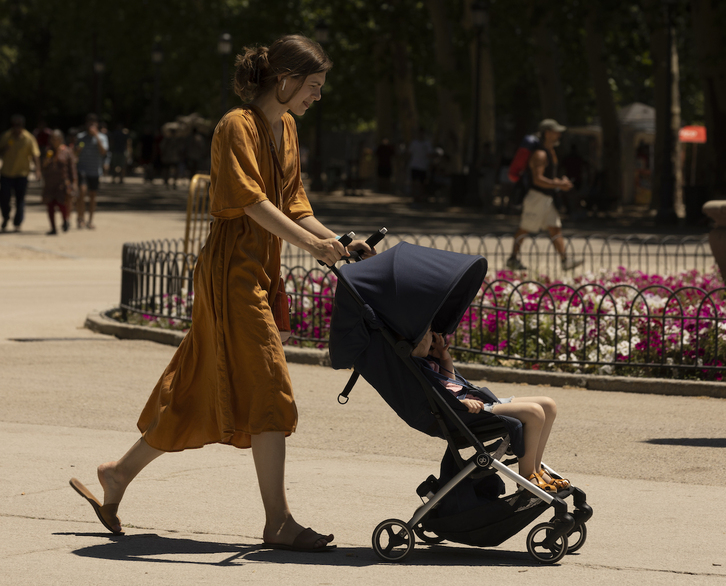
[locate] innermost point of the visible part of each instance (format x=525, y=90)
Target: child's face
x=422, y=350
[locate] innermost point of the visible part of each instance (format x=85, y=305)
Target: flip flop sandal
x=105, y=513
x=302, y=543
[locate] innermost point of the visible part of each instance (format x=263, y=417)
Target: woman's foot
x=294, y=537
x=113, y=487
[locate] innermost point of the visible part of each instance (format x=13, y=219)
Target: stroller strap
x=343, y=396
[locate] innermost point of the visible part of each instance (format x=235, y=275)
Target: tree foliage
x=48, y=48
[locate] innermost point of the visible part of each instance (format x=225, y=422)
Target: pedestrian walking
x=228, y=381
x=18, y=148
x=91, y=149
x=538, y=208
x=59, y=180
x=419, y=152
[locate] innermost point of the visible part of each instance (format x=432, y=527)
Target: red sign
x=692, y=134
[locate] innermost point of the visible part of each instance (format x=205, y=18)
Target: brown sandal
x=539, y=482
x=559, y=483
x=105, y=513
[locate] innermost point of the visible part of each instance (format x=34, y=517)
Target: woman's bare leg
x=268, y=450
x=116, y=476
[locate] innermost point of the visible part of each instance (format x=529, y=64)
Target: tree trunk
x=405, y=94
x=611, y=150
x=547, y=67
x=384, y=93
x=487, y=106
x=450, y=126
x=708, y=24
x=666, y=160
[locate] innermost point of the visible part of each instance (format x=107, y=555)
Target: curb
x=101, y=323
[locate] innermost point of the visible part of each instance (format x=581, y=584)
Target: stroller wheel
x=427, y=536
x=546, y=554
x=393, y=540
x=580, y=533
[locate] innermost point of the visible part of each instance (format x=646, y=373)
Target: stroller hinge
x=343, y=397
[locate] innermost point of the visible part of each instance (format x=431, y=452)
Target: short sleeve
x=236, y=181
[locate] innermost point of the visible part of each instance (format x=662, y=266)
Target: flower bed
x=612, y=322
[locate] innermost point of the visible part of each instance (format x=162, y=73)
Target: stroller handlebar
x=356, y=255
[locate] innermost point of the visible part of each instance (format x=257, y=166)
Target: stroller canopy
x=405, y=288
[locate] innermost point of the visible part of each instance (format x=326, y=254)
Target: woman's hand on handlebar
x=328, y=250
x=362, y=248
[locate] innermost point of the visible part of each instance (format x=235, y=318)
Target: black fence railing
x=157, y=282
x=657, y=327
x=663, y=255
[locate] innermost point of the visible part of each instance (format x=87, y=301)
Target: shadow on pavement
x=149, y=547
x=693, y=442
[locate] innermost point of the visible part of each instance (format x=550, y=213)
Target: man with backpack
x=539, y=211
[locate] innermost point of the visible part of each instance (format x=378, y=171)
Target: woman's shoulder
x=238, y=119
x=290, y=122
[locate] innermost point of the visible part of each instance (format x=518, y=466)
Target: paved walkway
x=652, y=466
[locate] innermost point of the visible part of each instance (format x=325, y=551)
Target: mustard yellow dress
x=228, y=379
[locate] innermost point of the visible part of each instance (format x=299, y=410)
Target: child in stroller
x=537, y=414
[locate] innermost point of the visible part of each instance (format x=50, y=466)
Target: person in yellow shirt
x=17, y=148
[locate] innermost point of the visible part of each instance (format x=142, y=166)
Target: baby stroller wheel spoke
x=550, y=553
x=393, y=541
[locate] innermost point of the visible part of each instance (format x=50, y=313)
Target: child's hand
x=473, y=405
x=439, y=346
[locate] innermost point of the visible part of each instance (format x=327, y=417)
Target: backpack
x=517, y=169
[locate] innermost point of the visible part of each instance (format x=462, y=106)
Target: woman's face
x=307, y=94
x=55, y=141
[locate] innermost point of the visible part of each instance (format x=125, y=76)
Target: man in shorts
x=538, y=208
x=91, y=149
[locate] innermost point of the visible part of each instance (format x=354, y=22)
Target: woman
x=228, y=382
x=59, y=180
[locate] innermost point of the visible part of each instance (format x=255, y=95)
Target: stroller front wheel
x=393, y=540
x=539, y=549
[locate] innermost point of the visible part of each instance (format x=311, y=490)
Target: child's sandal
x=559, y=483
x=539, y=482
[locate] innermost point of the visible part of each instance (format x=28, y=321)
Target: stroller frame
x=393, y=540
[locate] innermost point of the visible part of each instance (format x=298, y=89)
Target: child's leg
x=532, y=416
x=550, y=413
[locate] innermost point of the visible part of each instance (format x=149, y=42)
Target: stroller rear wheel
x=550, y=554
x=393, y=540
x=427, y=536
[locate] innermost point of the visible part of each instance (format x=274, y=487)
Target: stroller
x=383, y=308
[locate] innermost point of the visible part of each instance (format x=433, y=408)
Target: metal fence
x=665, y=255
x=586, y=326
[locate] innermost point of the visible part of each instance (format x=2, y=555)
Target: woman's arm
x=322, y=247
